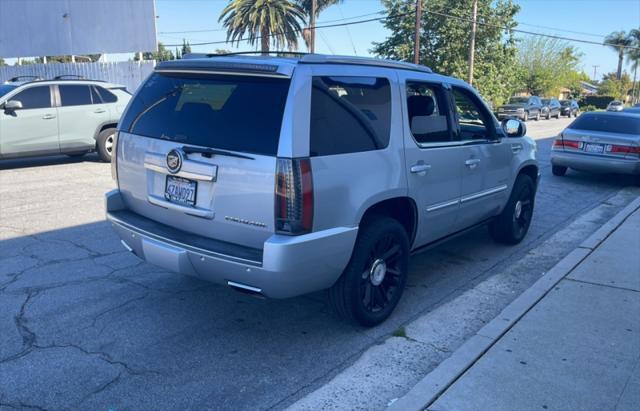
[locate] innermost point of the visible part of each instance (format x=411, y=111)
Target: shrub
x=600, y=102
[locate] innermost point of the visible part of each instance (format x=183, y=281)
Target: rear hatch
x=197, y=152
x=604, y=134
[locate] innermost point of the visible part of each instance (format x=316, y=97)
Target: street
x=85, y=324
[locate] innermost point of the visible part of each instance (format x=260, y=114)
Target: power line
x=446, y=15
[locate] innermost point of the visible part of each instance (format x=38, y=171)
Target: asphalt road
x=84, y=324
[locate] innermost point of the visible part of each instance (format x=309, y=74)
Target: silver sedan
x=606, y=142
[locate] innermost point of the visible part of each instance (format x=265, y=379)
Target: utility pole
x=312, y=23
x=416, y=45
x=595, y=70
x=472, y=46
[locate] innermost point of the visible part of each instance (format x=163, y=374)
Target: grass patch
x=400, y=332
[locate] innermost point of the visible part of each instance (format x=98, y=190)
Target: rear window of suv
x=610, y=123
x=237, y=113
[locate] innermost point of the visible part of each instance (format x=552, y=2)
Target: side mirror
x=12, y=105
x=514, y=128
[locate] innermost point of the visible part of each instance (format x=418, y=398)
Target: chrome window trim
x=442, y=205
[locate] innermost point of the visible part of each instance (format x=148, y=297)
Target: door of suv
x=432, y=155
x=33, y=129
x=80, y=113
x=486, y=162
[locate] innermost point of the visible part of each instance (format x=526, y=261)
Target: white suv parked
x=284, y=176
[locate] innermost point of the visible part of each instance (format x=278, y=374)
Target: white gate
x=127, y=73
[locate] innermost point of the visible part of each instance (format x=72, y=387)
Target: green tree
x=618, y=89
x=444, y=42
x=547, y=65
x=186, y=48
x=633, y=56
x=618, y=41
x=162, y=54
x=276, y=22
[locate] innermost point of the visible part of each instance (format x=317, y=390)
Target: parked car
x=634, y=109
x=599, y=142
x=569, y=108
x=59, y=116
x=285, y=176
x=522, y=108
x=550, y=108
x=615, y=105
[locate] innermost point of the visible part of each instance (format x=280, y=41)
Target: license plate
x=594, y=148
x=181, y=191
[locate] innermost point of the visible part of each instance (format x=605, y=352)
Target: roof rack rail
x=278, y=53
x=63, y=76
x=363, y=61
x=19, y=78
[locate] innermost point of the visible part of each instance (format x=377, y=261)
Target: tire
x=360, y=296
x=558, y=170
x=511, y=226
x=558, y=116
x=104, y=144
x=526, y=116
x=538, y=116
x=549, y=115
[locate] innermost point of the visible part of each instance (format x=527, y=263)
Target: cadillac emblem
x=174, y=161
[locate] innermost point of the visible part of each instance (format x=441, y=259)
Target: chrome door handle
x=99, y=110
x=420, y=168
x=472, y=162
x=48, y=116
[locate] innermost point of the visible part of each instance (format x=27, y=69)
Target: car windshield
x=518, y=100
x=6, y=88
x=546, y=101
x=615, y=103
x=610, y=123
x=565, y=103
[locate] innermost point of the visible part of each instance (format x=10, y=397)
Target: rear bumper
x=287, y=266
x=599, y=164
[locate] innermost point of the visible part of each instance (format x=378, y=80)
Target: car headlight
x=520, y=109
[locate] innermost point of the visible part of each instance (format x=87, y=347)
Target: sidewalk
x=572, y=341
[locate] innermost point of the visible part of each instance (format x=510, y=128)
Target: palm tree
x=633, y=54
x=618, y=41
x=320, y=6
x=276, y=22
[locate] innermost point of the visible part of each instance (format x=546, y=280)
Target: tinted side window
x=349, y=114
x=427, y=113
x=107, y=96
x=34, y=97
x=74, y=95
x=473, y=121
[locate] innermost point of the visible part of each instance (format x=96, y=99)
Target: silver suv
x=284, y=176
x=65, y=115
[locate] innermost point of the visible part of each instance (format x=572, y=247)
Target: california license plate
x=181, y=191
x=594, y=148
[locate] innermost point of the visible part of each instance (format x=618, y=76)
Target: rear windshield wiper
x=208, y=152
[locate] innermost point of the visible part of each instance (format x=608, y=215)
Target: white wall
x=71, y=27
x=127, y=73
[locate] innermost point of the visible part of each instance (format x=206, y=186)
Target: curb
x=427, y=390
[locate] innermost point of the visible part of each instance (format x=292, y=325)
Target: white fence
x=127, y=73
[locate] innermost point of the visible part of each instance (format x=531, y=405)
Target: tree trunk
x=620, y=60
x=264, y=39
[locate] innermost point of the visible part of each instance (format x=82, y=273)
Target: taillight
x=294, y=196
x=618, y=149
x=577, y=145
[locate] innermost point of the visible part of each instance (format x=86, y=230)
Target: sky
x=579, y=19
